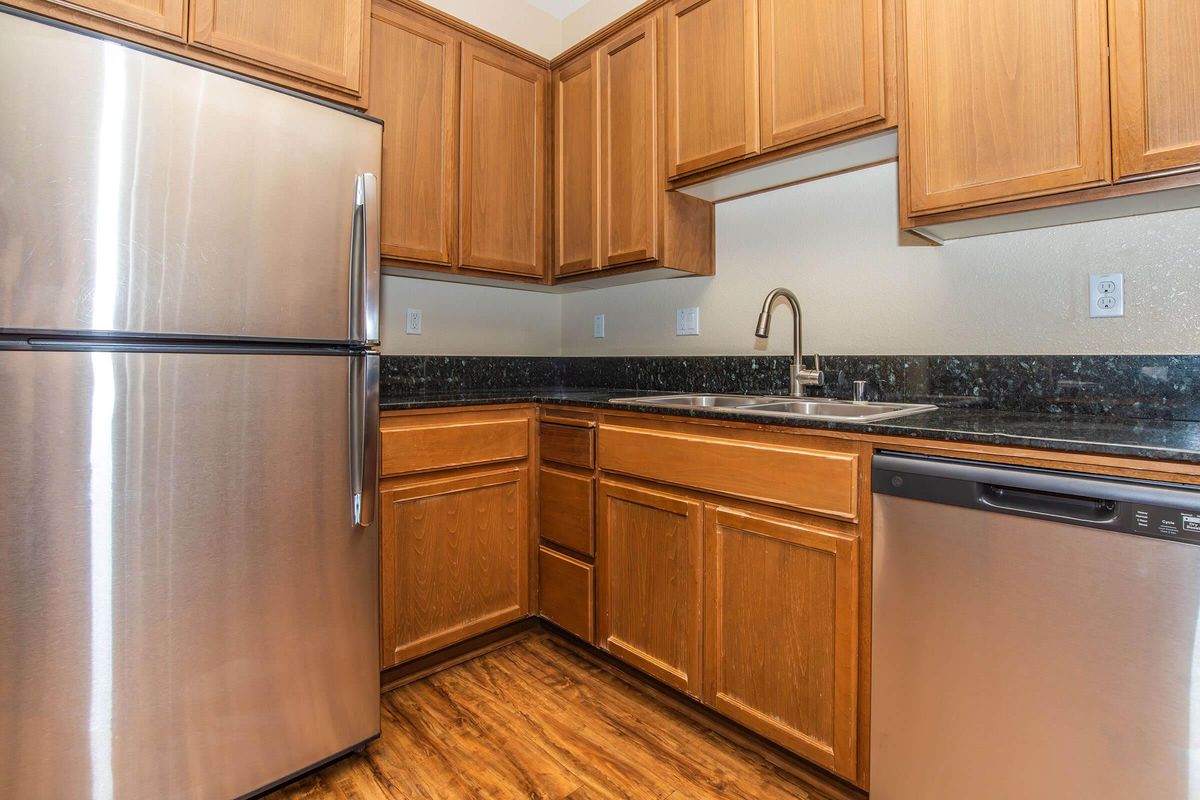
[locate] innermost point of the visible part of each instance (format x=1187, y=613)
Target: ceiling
x=558, y=8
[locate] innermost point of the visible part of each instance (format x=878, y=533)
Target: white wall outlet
x=687, y=322
x=598, y=326
x=412, y=321
x=1106, y=294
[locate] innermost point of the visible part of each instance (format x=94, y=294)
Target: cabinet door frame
x=873, y=107
x=393, y=652
x=585, y=64
x=202, y=33
x=647, y=30
x=1092, y=114
x=539, y=78
x=687, y=679
x=419, y=27
x=676, y=165
x=171, y=22
x=1132, y=156
x=842, y=756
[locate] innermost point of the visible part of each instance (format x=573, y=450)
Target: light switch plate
x=598, y=326
x=412, y=321
x=687, y=322
x=1106, y=294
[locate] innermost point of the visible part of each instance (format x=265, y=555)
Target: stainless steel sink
x=812, y=408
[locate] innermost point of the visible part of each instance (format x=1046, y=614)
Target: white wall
x=834, y=243
x=591, y=17
x=524, y=23
x=462, y=320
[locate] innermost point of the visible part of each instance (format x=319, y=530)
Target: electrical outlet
x=1106, y=294
x=687, y=322
x=598, y=326
x=412, y=321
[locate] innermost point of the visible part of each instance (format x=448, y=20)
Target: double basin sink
x=801, y=408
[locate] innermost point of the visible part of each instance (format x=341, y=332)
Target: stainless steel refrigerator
x=188, y=425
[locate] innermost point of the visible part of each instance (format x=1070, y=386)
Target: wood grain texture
x=414, y=70
x=809, y=479
x=567, y=444
x=503, y=165
x=631, y=187
x=168, y=17
x=535, y=719
x=648, y=567
x=565, y=592
x=566, y=510
x=820, y=67
x=1005, y=99
x=1156, y=85
x=781, y=632
x=323, y=40
x=453, y=558
x=576, y=165
x=422, y=444
x=712, y=83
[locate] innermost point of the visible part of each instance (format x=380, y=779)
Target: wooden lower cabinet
x=648, y=564
x=781, y=631
x=454, y=558
x=565, y=592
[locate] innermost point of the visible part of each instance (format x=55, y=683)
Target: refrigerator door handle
x=364, y=437
x=364, y=257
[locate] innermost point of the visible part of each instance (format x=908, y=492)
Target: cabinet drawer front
x=440, y=445
x=567, y=444
x=821, y=482
x=565, y=589
x=565, y=509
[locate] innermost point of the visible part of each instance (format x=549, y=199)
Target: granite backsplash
x=1141, y=387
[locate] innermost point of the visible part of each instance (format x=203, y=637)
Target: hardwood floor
x=535, y=719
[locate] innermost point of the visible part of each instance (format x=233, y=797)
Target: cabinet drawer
x=442, y=443
x=817, y=481
x=566, y=592
x=568, y=444
x=565, y=509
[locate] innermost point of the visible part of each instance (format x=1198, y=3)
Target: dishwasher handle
x=1065, y=507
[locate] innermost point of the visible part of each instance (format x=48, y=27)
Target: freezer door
x=142, y=195
x=188, y=609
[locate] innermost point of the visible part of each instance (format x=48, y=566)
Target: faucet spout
x=800, y=376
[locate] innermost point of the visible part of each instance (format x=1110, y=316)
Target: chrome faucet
x=801, y=377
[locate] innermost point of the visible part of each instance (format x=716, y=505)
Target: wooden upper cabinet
x=1156, y=85
x=820, y=67
x=712, y=82
x=1006, y=99
x=414, y=75
x=781, y=632
x=168, y=17
x=576, y=169
x=503, y=162
x=648, y=562
x=321, y=40
x=631, y=185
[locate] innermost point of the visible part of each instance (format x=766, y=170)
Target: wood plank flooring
x=534, y=719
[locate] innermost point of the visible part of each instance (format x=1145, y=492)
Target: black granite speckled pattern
x=1138, y=387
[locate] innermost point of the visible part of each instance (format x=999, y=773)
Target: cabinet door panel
x=1006, y=99
x=163, y=16
x=712, y=103
x=821, y=67
x=648, y=563
x=503, y=162
x=454, y=560
x=414, y=71
x=1156, y=85
x=319, y=39
x=631, y=185
x=576, y=179
x=781, y=632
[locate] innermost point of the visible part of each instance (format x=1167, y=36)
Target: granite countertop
x=1075, y=433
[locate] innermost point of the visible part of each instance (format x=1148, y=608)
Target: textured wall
x=834, y=242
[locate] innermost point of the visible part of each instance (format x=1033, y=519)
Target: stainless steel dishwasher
x=1034, y=634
